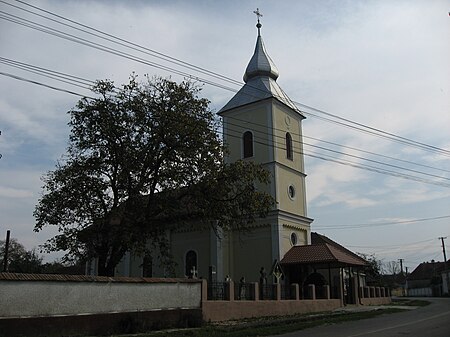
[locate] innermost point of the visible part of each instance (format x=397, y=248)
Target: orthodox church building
x=260, y=124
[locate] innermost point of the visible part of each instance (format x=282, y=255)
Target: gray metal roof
x=260, y=64
x=260, y=81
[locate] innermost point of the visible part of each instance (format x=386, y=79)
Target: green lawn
x=268, y=325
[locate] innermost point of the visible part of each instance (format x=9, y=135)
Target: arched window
x=191, y=263
x=289, y=151
x=247, y=142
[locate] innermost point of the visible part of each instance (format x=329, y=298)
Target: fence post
x=256, y=291
x=312, y=291
x=230, y=295
x=278, y=290
x=204, y=290
x=295, y=291
x=326, y=289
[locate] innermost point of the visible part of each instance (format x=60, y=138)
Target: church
x=260, y=124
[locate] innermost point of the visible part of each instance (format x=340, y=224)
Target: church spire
x=260, y=64
x=258, y=25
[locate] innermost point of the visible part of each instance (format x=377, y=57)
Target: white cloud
x=381, y=63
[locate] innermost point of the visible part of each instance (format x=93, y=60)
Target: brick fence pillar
x=326, y=289
x=377, y=292
x=256, y=290
x=278, y=291
x=230, y=291
x=204, y=290
x=312, y=291
x=295, y=291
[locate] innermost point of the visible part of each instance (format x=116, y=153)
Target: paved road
x=430, y=321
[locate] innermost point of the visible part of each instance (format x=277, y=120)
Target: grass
x=268, y=325
x=409, y=302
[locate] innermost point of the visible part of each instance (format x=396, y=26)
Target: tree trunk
x=104, y=268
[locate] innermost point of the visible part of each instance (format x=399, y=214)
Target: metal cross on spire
x=258, y=15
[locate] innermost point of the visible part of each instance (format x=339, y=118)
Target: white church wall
x=47, y=298
x=254, y=118
x=251, y=252
x=290, y=229
x=285, y=120
x=198, y=241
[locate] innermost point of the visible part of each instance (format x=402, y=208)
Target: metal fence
x=244, y=291
x=286, y=292
x=218, y=291
x=268, y=292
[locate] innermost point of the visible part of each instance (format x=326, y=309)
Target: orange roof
x=321, y=253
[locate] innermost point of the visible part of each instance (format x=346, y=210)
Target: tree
x=143, y=158
x=372, y=269
x=20, y=260
x=392, y=268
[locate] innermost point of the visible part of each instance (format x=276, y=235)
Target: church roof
x=320, y=254
x=260, y=81
x=322, y=250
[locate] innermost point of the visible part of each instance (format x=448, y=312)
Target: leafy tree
x=59, y=267
x=20, y=260
x=142, y=158
x=372, y=269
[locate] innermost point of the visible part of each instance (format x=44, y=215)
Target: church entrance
x=319, y=282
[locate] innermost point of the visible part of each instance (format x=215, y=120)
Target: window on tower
x=247, y=140
x=289, y=150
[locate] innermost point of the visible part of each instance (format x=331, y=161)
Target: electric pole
x=401, y=265
x=442, y=238
x=5, y=257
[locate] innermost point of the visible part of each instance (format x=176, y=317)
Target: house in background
x=428, y=279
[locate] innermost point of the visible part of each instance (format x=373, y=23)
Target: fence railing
x=244, y=291
x=268, y=292
x=226, y=291
x=287, y=293
x=218, y=291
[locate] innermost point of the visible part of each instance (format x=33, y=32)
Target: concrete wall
x=84, y=295
x=226, y=310
x=375, y=301
x=420, y=292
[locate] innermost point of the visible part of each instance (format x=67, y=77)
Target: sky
x=382, y=64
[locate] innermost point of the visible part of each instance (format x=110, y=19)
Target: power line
x=330, y=150
x=43, y=85
x=317, y=156
x=359, y=126
x=352, y=226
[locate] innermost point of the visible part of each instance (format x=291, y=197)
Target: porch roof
x=321, y=253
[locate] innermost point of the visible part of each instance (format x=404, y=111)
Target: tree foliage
x=373, y=269
x=141, y=159
x=20, y=260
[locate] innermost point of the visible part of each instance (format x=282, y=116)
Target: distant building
x=428, y=279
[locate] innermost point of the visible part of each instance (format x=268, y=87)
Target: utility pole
x=447, y=276
x=401, y=265
x=5, y=257
x=442, y=238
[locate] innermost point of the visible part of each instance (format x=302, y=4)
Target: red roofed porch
x=322, y=263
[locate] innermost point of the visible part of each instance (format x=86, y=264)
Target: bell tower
x=261, y=124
